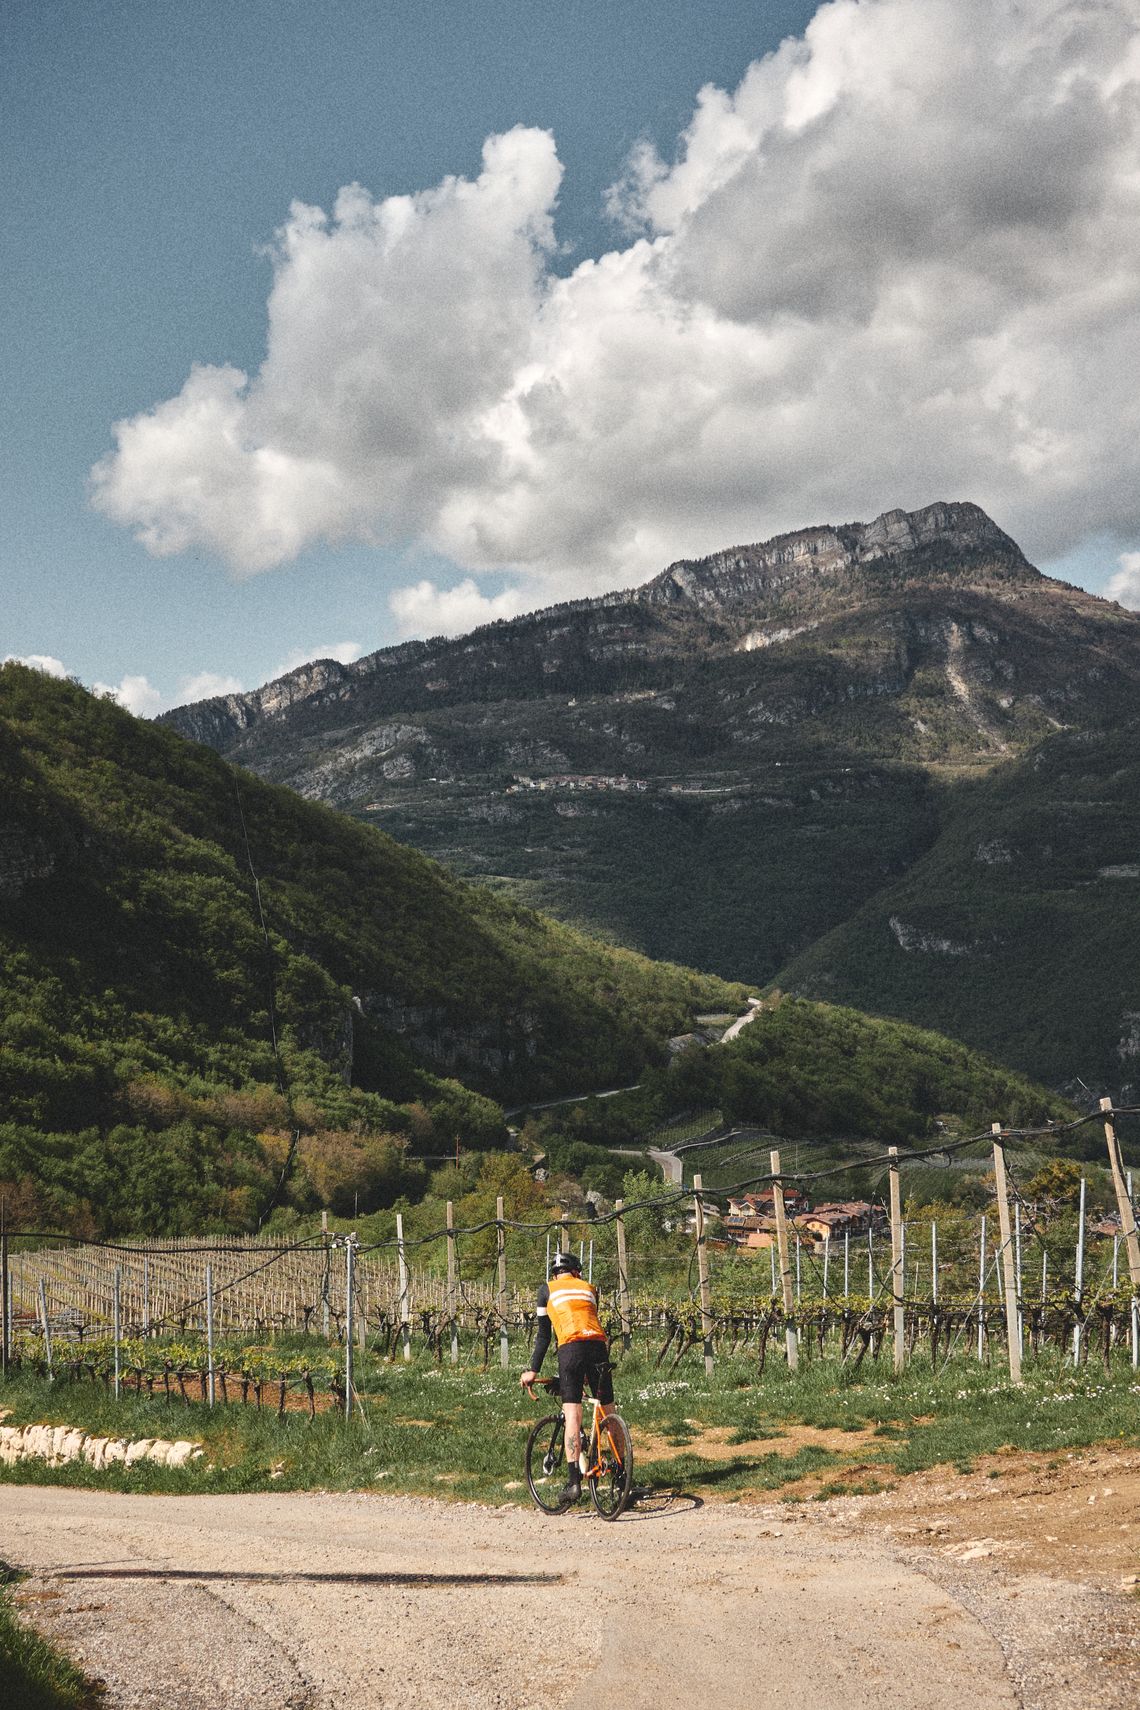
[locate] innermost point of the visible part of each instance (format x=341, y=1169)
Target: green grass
x=33, y=1674
x=437, y=1431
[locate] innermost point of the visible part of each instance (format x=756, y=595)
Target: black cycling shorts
x=582, y=1362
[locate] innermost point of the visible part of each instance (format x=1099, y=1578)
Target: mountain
x=886, y=763
x=207, y=983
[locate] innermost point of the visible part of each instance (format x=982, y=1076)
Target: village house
x=761, y=1204
x=751, y=1221
x=847, y=1217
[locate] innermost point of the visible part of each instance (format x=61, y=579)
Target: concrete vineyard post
x=405, y=1309
x=826, y=1258
x=703, y=1276
x=563, y=1231
x=897, y=1261
x=210, y=1335
x=452, y=1277
x=1135, y=1315
x=4, y=1289
x=501, y=1296
x=1017, y=1274
x=1012, y=1303
x=934, y=1264
x=846, y=1263
x=797, y=1270
x=982, y=1290
x=146, y=1295
x=349, y=1302
x=623, y=1276
x=791, y=1340
x=1079, y=1274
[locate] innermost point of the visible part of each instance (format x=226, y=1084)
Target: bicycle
x=607, y=1464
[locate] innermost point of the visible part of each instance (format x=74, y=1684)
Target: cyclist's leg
x=572, y=1413
x=601, y=1379
x=571, y=1372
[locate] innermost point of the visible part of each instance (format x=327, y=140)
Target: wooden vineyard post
x=405, y=1310
x=501, y=1297
x=118, y=1326
x=897, y=1261
x=452, y=1278
x=791, y=1340
x=46, y=1325
x=1123, y=1197
x=1012, y=1326
x=623, y=1276
x=703, y=1276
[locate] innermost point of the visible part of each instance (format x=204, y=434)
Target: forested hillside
x=164, y=918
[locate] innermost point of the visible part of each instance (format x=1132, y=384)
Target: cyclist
x=569, y=1305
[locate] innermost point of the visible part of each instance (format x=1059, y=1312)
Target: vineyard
x=282, y=1323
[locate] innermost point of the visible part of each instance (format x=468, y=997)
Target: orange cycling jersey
x=572, y=1305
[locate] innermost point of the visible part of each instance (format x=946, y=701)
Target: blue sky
x=156, y=148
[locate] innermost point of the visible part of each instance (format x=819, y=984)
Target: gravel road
x=310, y=1601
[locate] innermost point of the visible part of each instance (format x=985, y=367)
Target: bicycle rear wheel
x=611, y=1466
x=546, y=1473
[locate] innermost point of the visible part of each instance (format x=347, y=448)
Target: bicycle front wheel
x=546, y=1473
x=611, y=1466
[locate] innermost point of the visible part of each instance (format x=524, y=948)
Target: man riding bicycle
x=568, y=1305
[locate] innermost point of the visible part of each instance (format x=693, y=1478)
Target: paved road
x=312, y=1602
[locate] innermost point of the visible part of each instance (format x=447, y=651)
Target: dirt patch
x=194, y=1389
x=722, y=1443
x=1074, y=1516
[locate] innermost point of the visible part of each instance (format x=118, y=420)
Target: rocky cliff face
x=942, y=539
x=619, y=640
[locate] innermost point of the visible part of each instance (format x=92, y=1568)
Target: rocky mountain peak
x=943, y=539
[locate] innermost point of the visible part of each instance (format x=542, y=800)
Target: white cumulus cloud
x=136, y=693
x=900, y=261
x=423, y=608
x=344, y=652
x=201, y=685
x=1125, y=584
x=45, y=662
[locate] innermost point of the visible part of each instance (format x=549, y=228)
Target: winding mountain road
x=392, y=1603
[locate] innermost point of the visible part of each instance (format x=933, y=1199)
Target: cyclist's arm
x=542, y=1331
